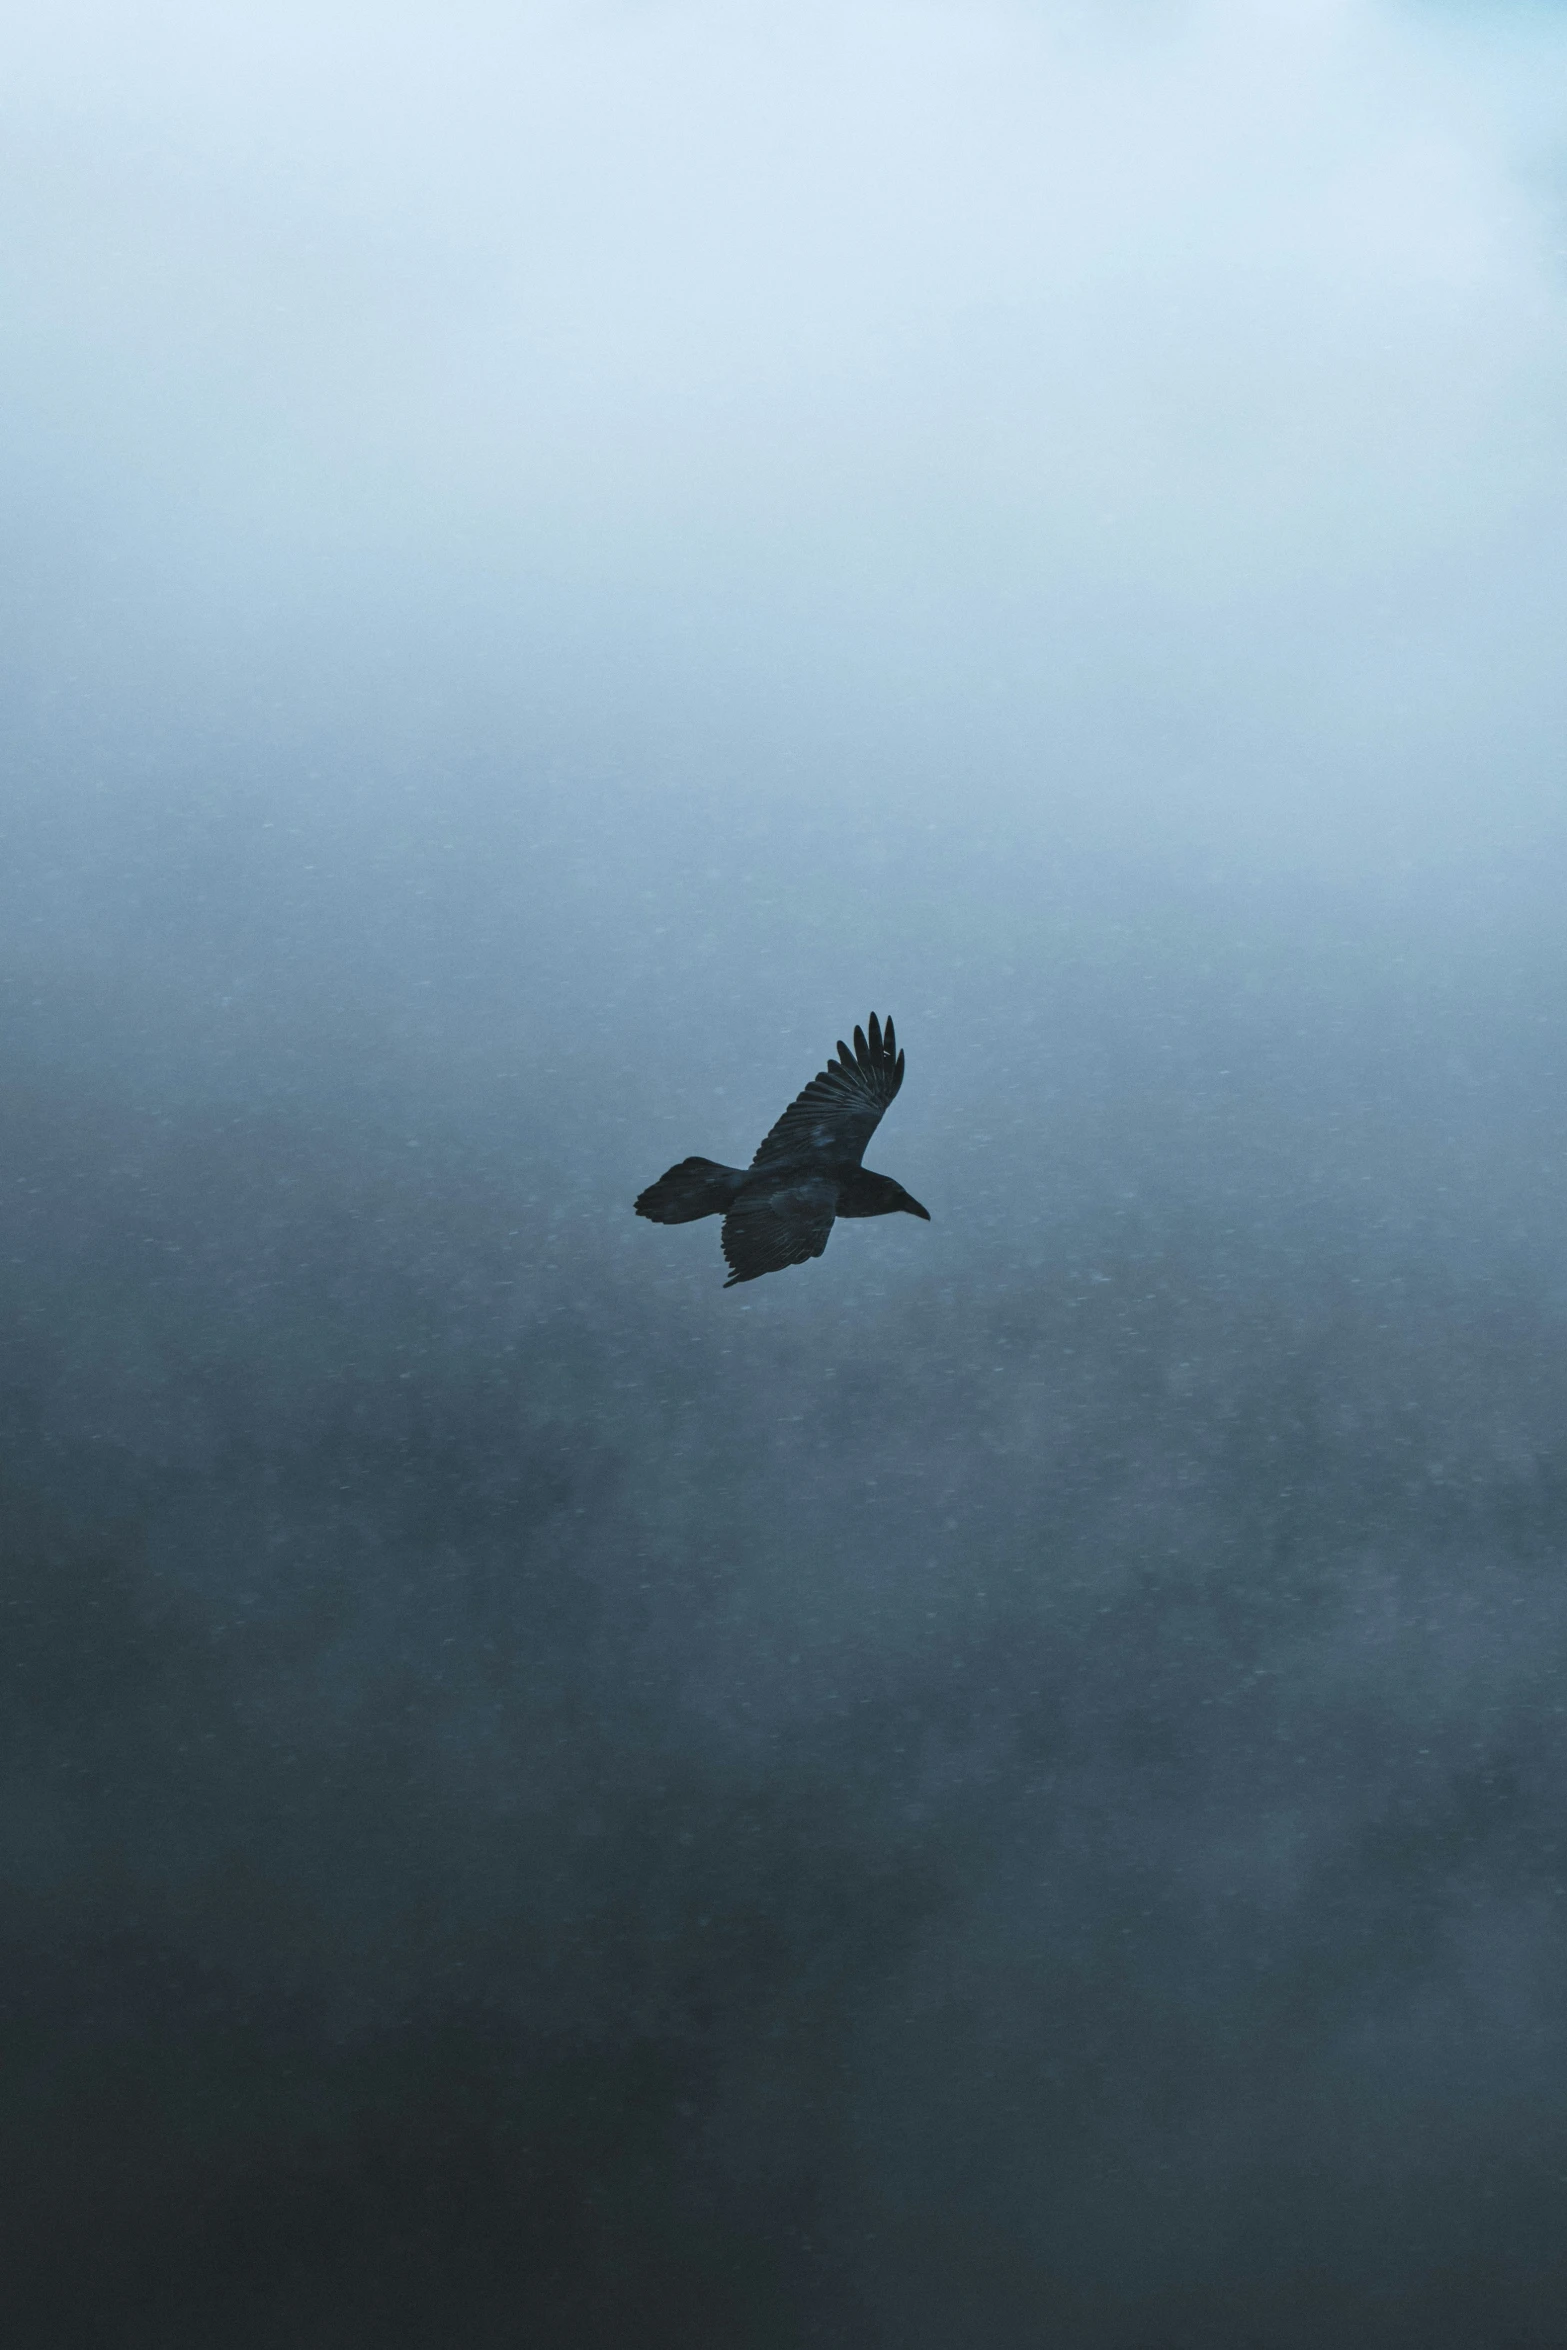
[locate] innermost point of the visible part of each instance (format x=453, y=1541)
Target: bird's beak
x=911, y=1207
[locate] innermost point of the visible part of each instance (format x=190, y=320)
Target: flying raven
x=780, y=1209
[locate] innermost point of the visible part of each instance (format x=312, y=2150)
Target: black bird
x=780, y=1209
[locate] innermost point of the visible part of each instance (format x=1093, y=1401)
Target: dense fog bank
x=547, y=1801
x=1004, y=1786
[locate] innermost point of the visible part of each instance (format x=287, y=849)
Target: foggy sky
x=1144, y=417
x=1002, y=1786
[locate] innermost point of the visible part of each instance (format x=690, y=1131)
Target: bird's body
x=807, y=1173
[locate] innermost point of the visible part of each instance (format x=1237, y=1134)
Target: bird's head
x=866, y=1193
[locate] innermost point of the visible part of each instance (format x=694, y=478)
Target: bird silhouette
x=807, y=1172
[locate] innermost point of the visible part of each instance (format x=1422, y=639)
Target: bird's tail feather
x=697, y=1187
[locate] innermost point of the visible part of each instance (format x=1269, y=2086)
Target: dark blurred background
x=1006, y=1786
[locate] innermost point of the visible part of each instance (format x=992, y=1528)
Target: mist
x=1004, y=1785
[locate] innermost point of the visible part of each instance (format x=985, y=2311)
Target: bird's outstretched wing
x=831, y=1122
x=778, y=1224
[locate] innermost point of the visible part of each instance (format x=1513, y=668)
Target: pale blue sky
x=1153, y=411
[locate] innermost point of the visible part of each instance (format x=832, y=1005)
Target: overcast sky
x=1142, y=416
x=1003, y=1784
